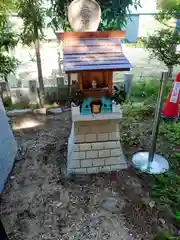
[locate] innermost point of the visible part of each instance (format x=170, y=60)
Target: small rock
x=162, y=221
x=111, y=204
x=151, y=204
x=95, y=222
x=148, y=201
x=59, y=204
x=135, y=185
x=12, y=177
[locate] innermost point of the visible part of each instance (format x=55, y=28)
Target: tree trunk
x=39, y=66
x=6, y=93
x=69, y=89
x=170, y=71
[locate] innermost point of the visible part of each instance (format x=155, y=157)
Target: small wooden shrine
x=94, y=56
x=94, y=144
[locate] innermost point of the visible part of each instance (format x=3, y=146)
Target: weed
x=166, y=186
x=148, y=90
x=138, y=110
x=171, y=132
x=166, y=189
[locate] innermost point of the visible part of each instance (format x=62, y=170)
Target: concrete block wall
x=97, y=131
x=97, y=147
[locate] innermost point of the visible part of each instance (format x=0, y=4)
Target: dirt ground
x=40, y=202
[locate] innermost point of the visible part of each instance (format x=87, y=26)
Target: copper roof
x=93, y=51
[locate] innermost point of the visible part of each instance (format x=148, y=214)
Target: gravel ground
x=40, y=202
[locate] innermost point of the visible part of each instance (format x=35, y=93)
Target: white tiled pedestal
x=94, y=144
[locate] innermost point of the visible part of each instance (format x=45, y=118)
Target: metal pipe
x=128, y=84
x=163, y=81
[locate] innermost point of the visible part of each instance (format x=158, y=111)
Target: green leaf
x=160, y=45
x=33, y=14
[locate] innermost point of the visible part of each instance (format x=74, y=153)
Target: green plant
x=138, y=110
x=147, y=91
x=8, y=40
x=168, y=9
x=119, y=95
x=138, y=44
x=115, y=13
x=166, y=186
x=7, y=102
x=171, y=132
x=169, y=16
x=7, y=65
x=163, y=235
x=160, y=45
x=166, y=189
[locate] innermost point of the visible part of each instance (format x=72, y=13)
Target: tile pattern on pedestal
x=92, y=158
x=96, y=148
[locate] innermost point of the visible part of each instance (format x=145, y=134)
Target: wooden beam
x=96, y=67
x=89, y=63
x=93, y=49
x=91, y=42
x=113, y=69
x=80, y=35
x=110, y=84
x=80, y=81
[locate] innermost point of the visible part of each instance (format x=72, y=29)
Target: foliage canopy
x=32, y=13
x=8, y=40
x=114, y=13
x=160, y=46
x=168, y=9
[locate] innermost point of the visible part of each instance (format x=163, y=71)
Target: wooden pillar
x=69, y=89
x=80, y=81
x=33, y=94
x=110, y=80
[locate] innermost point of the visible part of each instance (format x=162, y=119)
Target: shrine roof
x=93, y=51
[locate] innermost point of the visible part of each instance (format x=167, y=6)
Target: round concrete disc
x=157, y=166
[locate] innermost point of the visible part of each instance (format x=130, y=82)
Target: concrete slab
x=55, y=111
x=16, y=112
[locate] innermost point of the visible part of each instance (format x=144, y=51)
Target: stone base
x=94, y=146
x=97, y=157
